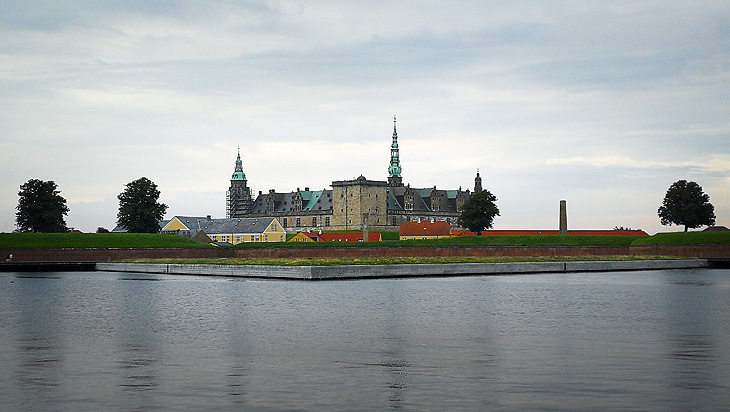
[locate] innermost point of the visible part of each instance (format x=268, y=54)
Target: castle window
x=327, y=221
x=286, y=223
x=299, y=222
x=314, y=221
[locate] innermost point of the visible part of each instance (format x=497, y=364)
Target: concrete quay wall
x=398, y=271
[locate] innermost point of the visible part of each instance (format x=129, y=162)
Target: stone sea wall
x=400, y=271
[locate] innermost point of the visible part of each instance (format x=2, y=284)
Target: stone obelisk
x=563, y=218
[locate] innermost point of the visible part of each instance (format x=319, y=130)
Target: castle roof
x=286, y=202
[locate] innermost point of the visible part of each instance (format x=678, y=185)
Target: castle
x=350, y=204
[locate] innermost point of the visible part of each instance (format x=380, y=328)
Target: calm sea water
x=657, y=340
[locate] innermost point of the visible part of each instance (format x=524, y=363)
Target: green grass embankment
x=136, y=240
x=93, y=240
x=685, y=238
x=394, y=260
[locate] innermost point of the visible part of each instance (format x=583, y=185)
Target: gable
x=274, y=227
x=175, y=224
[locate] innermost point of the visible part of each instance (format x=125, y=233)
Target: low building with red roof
x=424, y=230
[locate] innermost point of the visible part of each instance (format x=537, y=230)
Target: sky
x=602, y=104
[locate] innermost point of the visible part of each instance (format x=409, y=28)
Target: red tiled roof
x=553, y=232
x=425, y=229
x=343, y=237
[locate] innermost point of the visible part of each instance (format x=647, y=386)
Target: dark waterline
x=655, y=340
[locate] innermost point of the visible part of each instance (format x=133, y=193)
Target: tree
x=41, y=208
x=102, y=229
x=139, y=211
x=686, y=204
x=479, y=211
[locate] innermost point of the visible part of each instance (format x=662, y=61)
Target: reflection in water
x=138, y=368
x=235, y=381
x=691, y=341
x=574, y=342
x=38, y=340
x=237, y=345
x=137, y=358
x=394, y=354
x=398, y=374
x=692, y=366
x=39, y=363
x=691, y=344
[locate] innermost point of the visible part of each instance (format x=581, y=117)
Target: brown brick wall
x=105, y=255
x=697, y=251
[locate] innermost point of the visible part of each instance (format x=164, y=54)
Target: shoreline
x=400, y=270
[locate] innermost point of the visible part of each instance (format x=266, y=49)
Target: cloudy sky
x=603, y=104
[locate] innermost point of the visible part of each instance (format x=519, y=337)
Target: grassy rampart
x=134, y=240
x=93, y=240
x=685, y=238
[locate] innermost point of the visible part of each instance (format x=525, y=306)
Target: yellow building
x=233, y=231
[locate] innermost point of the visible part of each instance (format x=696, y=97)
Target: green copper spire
x=394, y=169
x=238, y=172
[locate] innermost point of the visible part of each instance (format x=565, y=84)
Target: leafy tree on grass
x=479, y=211
x=139, y=211
x=686, y=204
x=41, y=208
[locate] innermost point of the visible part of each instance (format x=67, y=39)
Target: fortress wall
x=106, y=255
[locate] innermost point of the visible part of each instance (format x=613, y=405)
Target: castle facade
x=350, y=204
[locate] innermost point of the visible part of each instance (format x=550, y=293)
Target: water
x=657, y=340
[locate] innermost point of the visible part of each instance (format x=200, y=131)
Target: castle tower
x=477, y=183
x=356, y=200
x=394, y=177
x=238, y=197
